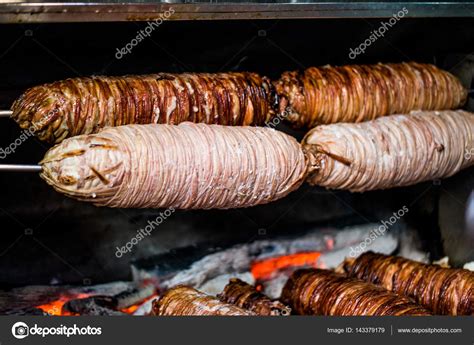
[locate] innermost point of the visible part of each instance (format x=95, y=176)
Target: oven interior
x=53, y=247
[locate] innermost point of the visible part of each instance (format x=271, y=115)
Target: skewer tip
x=6, y=113
x=20, y=168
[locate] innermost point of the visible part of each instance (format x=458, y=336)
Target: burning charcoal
x=446, y=291
x=96, y=305
x=184, y=300
x=323, y=292
x=246, y=296
x=26, y=311
x=165, y=266
x=268, y=268
x=197, y=265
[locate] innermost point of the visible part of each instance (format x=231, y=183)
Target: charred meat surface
x=323, y=292
x=355, y=93
x=445, y=291
x=183, y=300
x=247, y=297
x=77, y=106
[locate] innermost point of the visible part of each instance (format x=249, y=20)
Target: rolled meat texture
x=323, y=292
x=187, y=301
x=189, y=166
x=392, y=151
x=355, y=93
x=77, y=106
x=247, y=297
x=445, y=291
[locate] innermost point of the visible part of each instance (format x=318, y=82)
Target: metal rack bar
x=15, y=11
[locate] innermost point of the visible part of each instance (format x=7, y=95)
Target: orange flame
x=55, y=307
x=265, y=269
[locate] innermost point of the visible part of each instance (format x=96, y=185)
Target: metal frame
x=36, y=12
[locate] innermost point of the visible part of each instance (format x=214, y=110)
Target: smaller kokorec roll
x=247, y=297
x=78, y=106
x=391, y=151
x=189, y=166
x=186, y=301
x=445, y=291
x=355, y=93
x=323, y=292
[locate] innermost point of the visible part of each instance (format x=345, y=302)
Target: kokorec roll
x=189, y=166
x=446, y=291
x=247, y=297
x=323, y=292
x=355, y=93
x=77, y=106
x=392, y=151
x=186, y=301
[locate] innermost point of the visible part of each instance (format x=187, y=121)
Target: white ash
x=469, y=266
x=410, y=246
x=443, y=262
x=145, y=308
x=272, y=288
x=216, y=285
x=384, y=245
x=239, y=258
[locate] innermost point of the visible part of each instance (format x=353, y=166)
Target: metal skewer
x=20, y=167
x=5, y=113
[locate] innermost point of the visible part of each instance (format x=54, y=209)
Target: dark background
x=47, y=238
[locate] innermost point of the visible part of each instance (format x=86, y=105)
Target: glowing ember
x=265, y=269
x=55, y=307
x=131, y=309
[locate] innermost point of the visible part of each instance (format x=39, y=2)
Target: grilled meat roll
x=189, y=166
x=247, y=297
x=84, y=105
x=186, y=301
x=446, y=291
x=323, y=292
x=355, y=93
x=392, y=151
